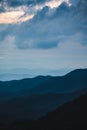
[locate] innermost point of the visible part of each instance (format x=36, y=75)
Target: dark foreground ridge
x=70, y=116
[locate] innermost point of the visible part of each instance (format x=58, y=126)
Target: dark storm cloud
x=15, y=3
x=41, y=14
x=49, y=27
x=38, y=44
x=1, y=10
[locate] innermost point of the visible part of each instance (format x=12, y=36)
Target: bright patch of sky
x=22, y=13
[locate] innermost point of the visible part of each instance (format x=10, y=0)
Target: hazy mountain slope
x=21, y=87
x=71, y=82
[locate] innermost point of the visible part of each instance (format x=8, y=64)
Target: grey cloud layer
x=56, y=38
x=16, y=3
x=49, y=27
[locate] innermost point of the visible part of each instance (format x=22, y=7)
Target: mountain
x=34, y=97
x=70, y=116
x=19, y=86
x=21, y=73
x=71, y=82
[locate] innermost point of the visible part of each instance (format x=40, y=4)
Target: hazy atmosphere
x=42, y=37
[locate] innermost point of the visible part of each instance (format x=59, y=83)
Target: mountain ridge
x=27, y=97
x=80, y=69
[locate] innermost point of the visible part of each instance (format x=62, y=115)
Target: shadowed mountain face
x=72, y=115
x=35, y=97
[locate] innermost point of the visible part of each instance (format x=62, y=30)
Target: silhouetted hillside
x=71, y=82
x=72, y=115
x=33, y=98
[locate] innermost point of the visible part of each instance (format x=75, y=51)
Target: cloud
x=8, y=44
x=68, y=54
x=39, y=44
x=56, y=3
x=3, y=27
x=52, y=38
x=46, y=29
x=13, y=11
x=16, y=3
x=74, y=2
x=50, y=3
x=7, y=49
x=14, y=17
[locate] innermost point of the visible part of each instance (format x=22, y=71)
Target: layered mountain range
x=33, y=98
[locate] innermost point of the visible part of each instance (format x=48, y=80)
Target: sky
x=43, y=36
